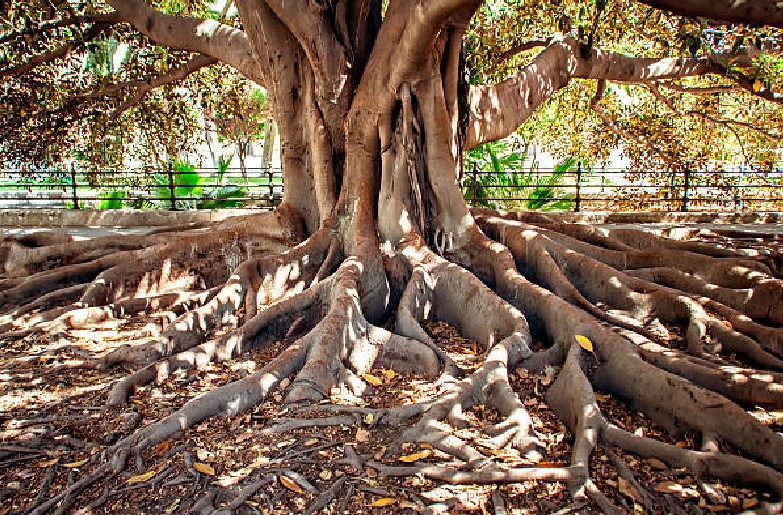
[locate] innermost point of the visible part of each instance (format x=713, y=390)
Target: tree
x=374, y=109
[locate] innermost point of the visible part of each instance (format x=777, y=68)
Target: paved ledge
x=58, y=218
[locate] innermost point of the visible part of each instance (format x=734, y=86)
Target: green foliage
x=501, y=179
x=111, y=199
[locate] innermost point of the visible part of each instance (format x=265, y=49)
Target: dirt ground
x=53, y=426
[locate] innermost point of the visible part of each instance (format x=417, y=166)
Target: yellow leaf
x=584, y=342
x=372, y=379
x=383, y=501
x=388, y=374
x=204, y=468
x=75, y=464
x=757, y=86
x=368, y=418
x=416, y=456
x=140, y=478
x=290, y=484
x=47, y=463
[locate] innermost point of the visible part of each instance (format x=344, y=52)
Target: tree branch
x=498, y=110
x=729, y=124
x=753, y=12
x=55, y=54
x=146, y=85
x=696, y=90
x=328, y=58
x=207, y=37
x=60, y=23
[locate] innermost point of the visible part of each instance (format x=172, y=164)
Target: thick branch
x=207, y=37
x=497, y=110
x=755, y=12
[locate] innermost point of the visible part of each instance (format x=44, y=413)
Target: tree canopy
x=79, y=78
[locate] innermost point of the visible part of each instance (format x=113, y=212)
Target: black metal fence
x=578, y=189
x=170, y=188
x=581, y=188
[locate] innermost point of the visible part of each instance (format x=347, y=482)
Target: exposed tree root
x=310, y=300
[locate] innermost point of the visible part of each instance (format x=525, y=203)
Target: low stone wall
x=51, y=218
x=54, y=218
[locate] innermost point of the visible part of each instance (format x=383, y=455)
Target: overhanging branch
x=207, y=37
x=753, y=12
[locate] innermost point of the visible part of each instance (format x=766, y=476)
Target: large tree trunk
x=372, y=123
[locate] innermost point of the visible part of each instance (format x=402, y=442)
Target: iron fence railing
x=617, y=189
x=578, y=189
x=170, y=188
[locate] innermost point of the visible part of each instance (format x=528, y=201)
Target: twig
x=326, y=497
x=497, y=502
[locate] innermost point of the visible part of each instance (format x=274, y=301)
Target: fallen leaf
x=408, y=505
x=362, y=435
x=656, y=463
x=203, y=454
x=550, y=464
x=140, y=478
x=374, y=381
x=368, y=418
x=388, y=374
x=204, y=468
x=290, y=484
x=681, y=444
x=75, y=464
x=162, y=448
x=416, y=456
x=627, y=489
x=585, y=343
x=325, y=474
x=47, y=463
x=749, y=503
x=383, y=501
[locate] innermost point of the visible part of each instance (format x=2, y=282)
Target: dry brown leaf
x=362, y=435
x=162, y=448
x=290, y=484
x=626, y=488
x=204, y=468
x=140, y=478
x=383, y=501
x=75, y=464
x=416, y=456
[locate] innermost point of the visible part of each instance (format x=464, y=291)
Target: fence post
x=172, y=188
x=73, y=187
x=474, y=185
x=687, y=186
x=578, y=199
x=270, y=174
